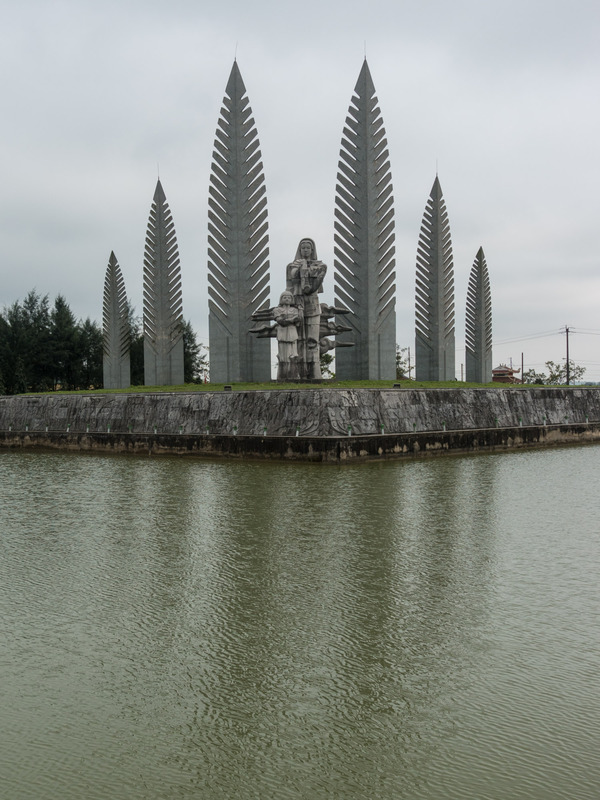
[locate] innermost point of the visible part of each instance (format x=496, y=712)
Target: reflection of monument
x=434, y=315
x=163, y=308
x=478, y=326
x=302, y=324
x=364, y=240
x=115, y=329
x=238, y=266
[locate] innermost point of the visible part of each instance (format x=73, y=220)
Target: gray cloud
x=501, y=98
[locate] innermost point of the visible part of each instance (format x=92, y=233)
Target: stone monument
x=364, y=261
x=163, y=310
x=115, y=329
x=288, y=320
x=478, y=326
x=302, y=324
x=434, y=296
x=238, y=243
x=304, y=279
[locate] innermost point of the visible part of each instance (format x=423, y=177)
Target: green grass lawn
x=326, y=384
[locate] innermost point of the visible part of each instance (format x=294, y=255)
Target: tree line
x=43, y=348
x=556, y=375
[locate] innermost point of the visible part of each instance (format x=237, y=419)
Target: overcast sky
x=502, y=98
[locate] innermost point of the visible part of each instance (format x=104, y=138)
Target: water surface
x=177, y=628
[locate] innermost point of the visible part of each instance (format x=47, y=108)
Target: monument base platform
x=308, y=424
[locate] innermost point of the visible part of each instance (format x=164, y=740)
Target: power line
x=529, y=337
x=556, y=332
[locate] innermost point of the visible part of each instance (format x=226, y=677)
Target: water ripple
x=186, y=629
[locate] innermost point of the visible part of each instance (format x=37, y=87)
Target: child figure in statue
x=304, y=279
x=287, y=318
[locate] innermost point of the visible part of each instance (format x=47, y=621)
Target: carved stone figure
x=304, y=279
x=288, y=319
x=302, y=324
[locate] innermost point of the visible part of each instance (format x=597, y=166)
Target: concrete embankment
x=310, y=424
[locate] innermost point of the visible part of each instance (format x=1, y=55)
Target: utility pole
x=568, y=370
x=522, y=369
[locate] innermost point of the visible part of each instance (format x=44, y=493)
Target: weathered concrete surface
x=238, y=243
x=163, y=309
x=364, y=263
x=434, y=294
x=318, y=412
x=331, y=449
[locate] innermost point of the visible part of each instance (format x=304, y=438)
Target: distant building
x=504, y=374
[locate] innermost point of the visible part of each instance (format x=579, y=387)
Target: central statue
x=304, y=279
x=302, y=324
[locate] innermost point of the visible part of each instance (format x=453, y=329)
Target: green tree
x=557, y=374
x=191, y=353
x=195, y=361
x=5, y=353
x=531, y=376
x=25, y=344
x=326, y=362
x=91, y=355
x=403, y=369
x=13, y=346
x=65, y=346
x=37, y=341
x=20, y=377
x=136, y=346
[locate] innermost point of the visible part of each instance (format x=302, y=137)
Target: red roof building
x=504, y=374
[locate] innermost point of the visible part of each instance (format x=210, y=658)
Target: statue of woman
x=304, y=278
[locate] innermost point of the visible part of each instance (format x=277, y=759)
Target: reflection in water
x=183, y=629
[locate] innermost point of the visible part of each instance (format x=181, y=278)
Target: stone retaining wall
x=307, y=412
x=332, y=425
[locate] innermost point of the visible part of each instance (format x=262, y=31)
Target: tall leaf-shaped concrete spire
x=163, y=311
x=238, y=243
x=364, y=241
x=115, y=329
x=478, y=327
x=434, y=297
